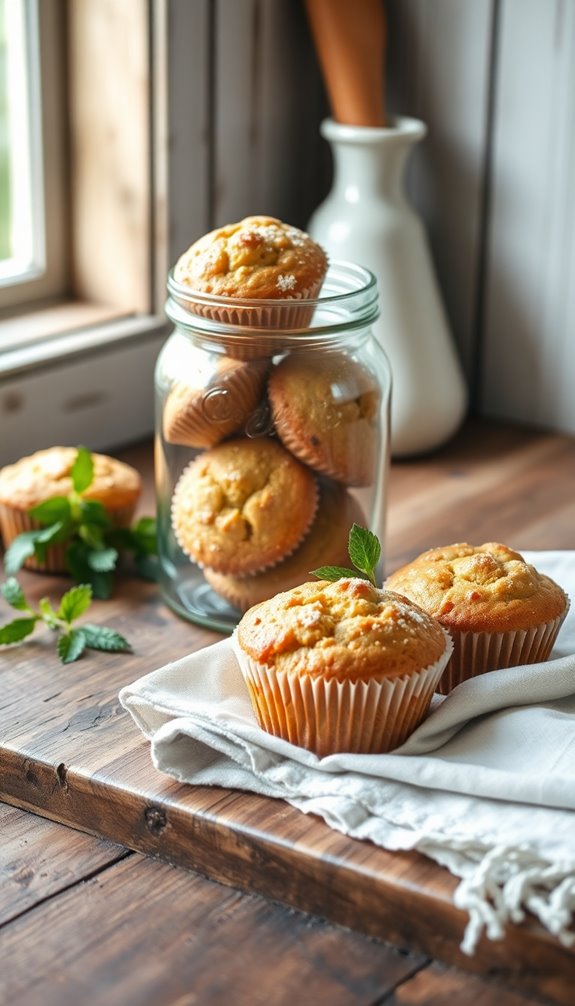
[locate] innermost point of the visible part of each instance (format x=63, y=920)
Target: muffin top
x=46, y=473
x=348, y=630
x=325, y=410
x=259, y=257
x=243, y=505
x=483, y=588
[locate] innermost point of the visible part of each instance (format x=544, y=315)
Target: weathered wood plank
x=152, y=934
x=39, y=858
x=436, y=985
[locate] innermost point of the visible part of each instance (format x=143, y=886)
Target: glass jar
x=272, y=440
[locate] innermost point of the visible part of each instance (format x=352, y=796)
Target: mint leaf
x=71, y=645
x=335, y=573
x=364, y=550
x=93, y=512
x=102, y=560
x=144, y=535
x=100, y=637
x=82, y=470
x=92, y=535
x=12, y=592
x=17, y=630
x=75, y=602
x=57, y=508
x=22, y=548
x=49, y=616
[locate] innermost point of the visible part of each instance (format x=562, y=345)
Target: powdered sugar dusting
x=286, y=282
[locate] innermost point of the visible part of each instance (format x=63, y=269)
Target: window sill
x=91, y=384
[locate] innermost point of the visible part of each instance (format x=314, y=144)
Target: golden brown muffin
x=243, y=506
x=258, y=258
x=36, y=478
x=326, y=543
x=202, y=414
x=258, y=273
x=499, y=610
x=341, y=666
x=325, y=411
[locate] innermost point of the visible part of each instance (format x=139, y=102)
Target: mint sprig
x=364, y=550
x=93, y=545
x=71, y=640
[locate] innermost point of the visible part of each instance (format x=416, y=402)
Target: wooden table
x=158, y=892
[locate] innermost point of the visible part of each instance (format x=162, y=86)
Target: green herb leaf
x=71, y=645
x=100, y=637
x=49, y=616
x=23, y=547
x=82, y=470
x=93, y=512
x=102, y=560
x=144, y=535
x=364, y=550
x=75, y=602
x=57, y=508
x=92, y=535
x=336, y=573
x=17, y=630
x=12, y=592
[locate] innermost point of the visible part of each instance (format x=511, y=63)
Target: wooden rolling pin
x=350, y=43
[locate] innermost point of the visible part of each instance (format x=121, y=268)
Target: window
x=137, y=103
x=32, y=178
x=84, y=239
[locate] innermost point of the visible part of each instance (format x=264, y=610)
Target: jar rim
x=347, y=300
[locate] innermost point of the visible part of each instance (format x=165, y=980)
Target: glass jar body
x=272, y=439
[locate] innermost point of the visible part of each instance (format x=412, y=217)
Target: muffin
x=243, y=506
x=325, y=411
x=202, y=413
x=252, y=273
x=499, y=610
x=36, y=478
x=327, y=542
x=341, y=666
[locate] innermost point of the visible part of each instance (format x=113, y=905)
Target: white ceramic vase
x=367, y=219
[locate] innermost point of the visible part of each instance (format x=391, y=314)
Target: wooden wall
x=495, y=82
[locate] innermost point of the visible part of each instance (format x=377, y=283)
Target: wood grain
x=192, y=941
x=69, y=752
x=39, y=858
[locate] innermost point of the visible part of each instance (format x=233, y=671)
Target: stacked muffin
x=278, y=438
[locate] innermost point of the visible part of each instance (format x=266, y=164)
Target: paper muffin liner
x=479, y=652
x=370, y=716
x=229, y=564
x=14, y=522
x=201, y=418
x=273, y=317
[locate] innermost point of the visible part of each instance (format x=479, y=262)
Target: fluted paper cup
x=326, y=716
x=479, y=652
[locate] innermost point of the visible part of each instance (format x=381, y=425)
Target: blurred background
x=130, y=127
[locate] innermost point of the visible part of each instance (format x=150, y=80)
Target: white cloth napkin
x=485, y=786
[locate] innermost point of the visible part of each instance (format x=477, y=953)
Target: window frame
x=46, y=277
x=92, y=383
